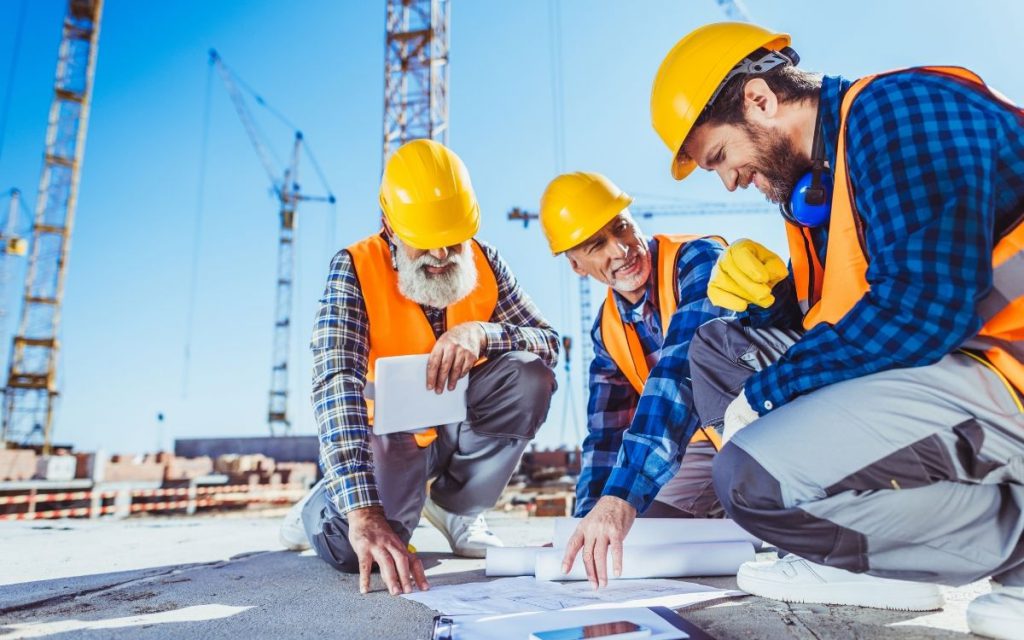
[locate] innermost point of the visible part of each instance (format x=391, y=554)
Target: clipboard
x=449, y=627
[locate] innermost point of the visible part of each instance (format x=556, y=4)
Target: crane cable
x=197, y=233
x=5, y=109
x=569, y=407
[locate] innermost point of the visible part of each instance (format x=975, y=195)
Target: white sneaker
x=793, y=579
x=468, y=536
x=999, y=614
x=292, y=533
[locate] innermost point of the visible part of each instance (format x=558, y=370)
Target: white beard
x=436, y=290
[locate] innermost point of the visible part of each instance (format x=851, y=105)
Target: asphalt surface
x=226, y=577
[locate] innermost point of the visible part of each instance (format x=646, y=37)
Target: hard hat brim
x=621, y=202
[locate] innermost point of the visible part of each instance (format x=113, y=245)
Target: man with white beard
x=423, y=284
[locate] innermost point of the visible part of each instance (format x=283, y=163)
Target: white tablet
x=402, y=402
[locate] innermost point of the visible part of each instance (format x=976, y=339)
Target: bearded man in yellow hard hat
x=886, y=434
x=423, y=284
x=640, y=417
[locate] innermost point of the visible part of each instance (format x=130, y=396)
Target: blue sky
x=321, y=63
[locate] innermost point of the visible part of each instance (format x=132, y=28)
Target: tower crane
x=289, y=194
x=32, y=384
x=415, y=72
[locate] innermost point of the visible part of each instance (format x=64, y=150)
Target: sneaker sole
x=892, y=597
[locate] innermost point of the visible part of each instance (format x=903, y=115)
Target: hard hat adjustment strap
x=764, y=63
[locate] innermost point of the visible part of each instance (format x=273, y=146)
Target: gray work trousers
x=690, y=493
x=470, y=462
x=914, y=474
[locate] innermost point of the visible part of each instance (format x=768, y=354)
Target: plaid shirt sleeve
x=665, y=419
x=609, y=411
x=517, y=324
x=922, y=163
x=341, y=350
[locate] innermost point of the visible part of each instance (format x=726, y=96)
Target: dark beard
x=778, y=160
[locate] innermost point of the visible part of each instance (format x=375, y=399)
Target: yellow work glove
x=745, y=274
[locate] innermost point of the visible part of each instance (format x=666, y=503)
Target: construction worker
x=887, y=437
x=640, y=415
x=423, y=284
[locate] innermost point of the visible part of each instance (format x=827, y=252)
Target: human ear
x=576, y=268
x=759, y=101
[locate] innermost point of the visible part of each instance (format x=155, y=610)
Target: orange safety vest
x=827, y=294
x=397, y=325
x=621, y=340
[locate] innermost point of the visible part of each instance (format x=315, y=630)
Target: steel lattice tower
x=277, y=410
x=32, y=384
x=415, y=72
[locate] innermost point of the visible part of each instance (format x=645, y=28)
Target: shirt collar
x=634, y=312
x=833, y=88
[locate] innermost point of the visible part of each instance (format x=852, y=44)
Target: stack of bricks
x=178, y=468
x=17, y=464
x=552, y=506
x=128, y=468
x=300, y=473
x=251, y=469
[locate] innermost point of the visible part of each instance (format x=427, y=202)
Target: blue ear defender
x=811, y=201
x=810, y=204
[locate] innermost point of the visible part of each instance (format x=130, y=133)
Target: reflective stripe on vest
x=827, y=295
x=397, y=325
x=621, y=339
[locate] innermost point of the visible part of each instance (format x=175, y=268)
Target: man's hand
x=454, y=355
x=745, y=274
x=737, y=415
x=603, y=529
x=374, y=541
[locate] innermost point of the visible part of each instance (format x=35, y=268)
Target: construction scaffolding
x=415, y=72
x=32, y=378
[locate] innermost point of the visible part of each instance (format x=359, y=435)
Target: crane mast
x=415, y=72
x=32, y=377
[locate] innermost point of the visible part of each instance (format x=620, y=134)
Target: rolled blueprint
x=511, y=561
x=678, y=560
x=647, y=531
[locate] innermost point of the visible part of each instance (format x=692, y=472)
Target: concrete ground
x=226, y=577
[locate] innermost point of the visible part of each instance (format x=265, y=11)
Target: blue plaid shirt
x=635, y=442
x=341, y=349
x=937, y=170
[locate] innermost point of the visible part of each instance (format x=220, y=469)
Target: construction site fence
x=124, y=502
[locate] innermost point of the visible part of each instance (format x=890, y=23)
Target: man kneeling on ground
x=421, y=285
x=641, y=415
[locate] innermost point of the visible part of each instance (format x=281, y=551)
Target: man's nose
x=440, y=253
x=618, y=249
x=729, y=178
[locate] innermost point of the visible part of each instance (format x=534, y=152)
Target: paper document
x=516, y=595
x=684, y=560
x=401, y=399
x=664, y=625
x=666, y=531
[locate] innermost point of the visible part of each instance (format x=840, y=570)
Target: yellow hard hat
x=691, y=74
x=576, y=205
x=427, y=197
